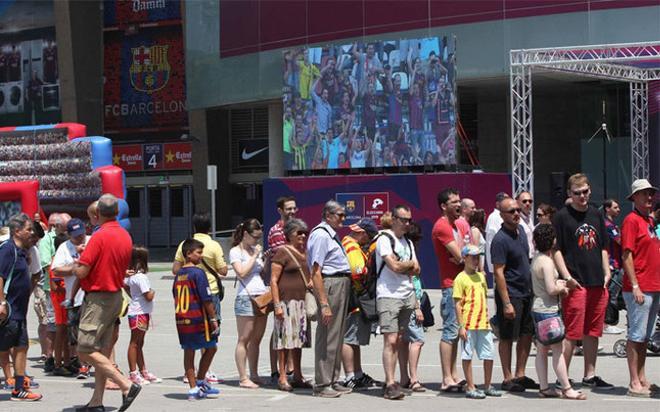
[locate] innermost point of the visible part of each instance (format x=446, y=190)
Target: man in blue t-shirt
x=15, y=273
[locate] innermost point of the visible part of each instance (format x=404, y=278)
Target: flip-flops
x=453, y=389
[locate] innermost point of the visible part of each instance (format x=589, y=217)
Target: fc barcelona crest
x=150, y=70
x=350, y=206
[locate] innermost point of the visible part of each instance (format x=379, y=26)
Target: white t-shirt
x=391, y=284
x=493, y=225
x=67, y=254
x=35, y=260
x=253, y=281
x=138, y=285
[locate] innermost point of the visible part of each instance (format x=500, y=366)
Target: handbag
x=221, y=288
x=427, y=310
x=311, y=306
x=550, y=330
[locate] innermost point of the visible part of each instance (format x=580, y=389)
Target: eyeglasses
x=583, y=192
x=404, y=220
x=302, y=233
x=341, y=215
x=512, y=211
x=255, y=236
x=527, y=201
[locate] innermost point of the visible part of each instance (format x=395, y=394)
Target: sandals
x=475, y=394
x=245, y=385
x=548, y=393
x=453, y=389
x=580, y=397
x=416, y=386
x=284, y=387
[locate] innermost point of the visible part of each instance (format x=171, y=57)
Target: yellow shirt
x=471, y=290
x=212, y=255
x=308, y=72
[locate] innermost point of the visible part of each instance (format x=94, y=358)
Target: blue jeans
x=448, y=314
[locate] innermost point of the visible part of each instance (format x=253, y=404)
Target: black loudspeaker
x=558, y=189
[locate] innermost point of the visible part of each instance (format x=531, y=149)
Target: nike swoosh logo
x=247, y=156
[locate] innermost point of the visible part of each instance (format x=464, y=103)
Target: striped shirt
x=191, y=290
x=471, y=290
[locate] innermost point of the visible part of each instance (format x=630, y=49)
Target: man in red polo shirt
x=449, y=236
x=641, y=286
x=101, y=270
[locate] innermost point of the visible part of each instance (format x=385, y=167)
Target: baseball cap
x=365, y=225
x=75, y=227
x=470, y=250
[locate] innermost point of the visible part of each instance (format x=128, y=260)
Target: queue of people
x=553, y=280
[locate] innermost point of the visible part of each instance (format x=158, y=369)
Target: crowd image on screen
x=372, y=104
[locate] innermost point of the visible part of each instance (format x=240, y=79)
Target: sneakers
x=366, y=381
x=49, y=365
x=212, y=378
x=28, y=384
x=83, y=372
x=62, y=371
x=136, y=378
x=596, y=382
x=196, y=394
x=475, y=394
x=392, y=392
x=75, y=363
x=150, y=377
x=491, y=391
x=128, y=399
x=209, y=391
x=25, y=396
x=612, y=330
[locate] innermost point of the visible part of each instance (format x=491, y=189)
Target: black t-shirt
x=512, y=250
x=581, y=238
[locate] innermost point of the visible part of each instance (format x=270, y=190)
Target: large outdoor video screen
x=375, y=104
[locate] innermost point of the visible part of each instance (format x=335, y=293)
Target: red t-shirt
x=638, y=236
x=108, y=254
x=444, y=233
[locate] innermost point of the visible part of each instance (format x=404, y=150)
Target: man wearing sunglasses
x=395, y=293
x=582, y=260
x=331, y=275
x=509, y=252
x=641, y=285
x=525, y=203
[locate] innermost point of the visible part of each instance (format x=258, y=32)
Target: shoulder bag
x=221, y=288
x=550, y=330
x=311, y=306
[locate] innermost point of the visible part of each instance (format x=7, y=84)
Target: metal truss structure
x=635, y=63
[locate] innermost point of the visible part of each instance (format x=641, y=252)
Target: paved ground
x=165, y=359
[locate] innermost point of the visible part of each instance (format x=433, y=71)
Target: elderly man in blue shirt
x=331, y=276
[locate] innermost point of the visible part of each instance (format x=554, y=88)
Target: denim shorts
x=415, y=331
x=448, y=314
x=243, y=306
x=480, y=341
x=641, y=318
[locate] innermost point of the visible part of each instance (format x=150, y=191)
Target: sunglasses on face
x=302, y=233
x=404, y=220
x=340, y=215
x=512, y=211
x=583, y=192
x=527, y=201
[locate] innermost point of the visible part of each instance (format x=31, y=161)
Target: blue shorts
x=448, y=314
x=415, y=331
x=641, y=318
x=215, y=298
x=480, y=341
x=200, y=345
x=243, y=306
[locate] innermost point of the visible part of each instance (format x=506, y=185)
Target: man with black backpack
x=397, y=263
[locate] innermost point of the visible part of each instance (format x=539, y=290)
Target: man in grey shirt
x=331, y=276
